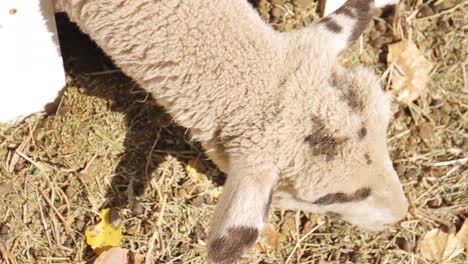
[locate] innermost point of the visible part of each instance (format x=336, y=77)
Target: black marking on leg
x=331, y=25
x=232, y=245
x=361, y=10
x=347, y=11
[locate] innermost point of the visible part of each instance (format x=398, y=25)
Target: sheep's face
x=342, y=166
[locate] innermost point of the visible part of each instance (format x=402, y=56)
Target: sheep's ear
x=342, y=27
x=241, y=212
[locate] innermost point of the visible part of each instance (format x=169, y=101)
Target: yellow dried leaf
x=439, y=246
x=216, y=192
x=194, y=170
x=104, y=234
x=412, y=70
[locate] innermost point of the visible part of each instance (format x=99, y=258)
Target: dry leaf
x=104, y=234
x=271, y=237
x=433, y=244
x=116, y=255
x=453, y=247
x=439, y=246
x=463, y=234
x=138, y=259
x=412, y=70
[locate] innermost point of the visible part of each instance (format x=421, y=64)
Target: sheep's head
x=340, y=164
x=333, y=132
x=326, y=149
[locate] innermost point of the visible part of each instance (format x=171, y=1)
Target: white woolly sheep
x=275, y=111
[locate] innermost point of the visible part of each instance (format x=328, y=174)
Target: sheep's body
x=191, y=55
x=266, y=106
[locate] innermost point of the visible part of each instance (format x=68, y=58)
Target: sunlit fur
x=363, y=161
x=275, y=111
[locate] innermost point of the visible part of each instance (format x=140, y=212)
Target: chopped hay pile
x=109, y=144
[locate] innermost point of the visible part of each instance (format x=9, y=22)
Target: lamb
x=289, y=125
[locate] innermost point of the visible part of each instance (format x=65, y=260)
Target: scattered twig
x=149, y=256
x=24, y=156
x=450, y=162
x=59, y=215
x=6, y=255
x=446, y=11
x=452, y=170
x=406, y=132
x=150, y=154
x=46, y=228
x=103, y=72
x=300, y=241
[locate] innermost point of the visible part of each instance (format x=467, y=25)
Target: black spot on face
x=232, y=245
x=348, y=89
x=362, y=132
x=368, y=159
x=331, y=25
x=322, y=142
x=332, y=198
x=353, y=100
x=361, y=194
x=340, y=197
x=325, y=145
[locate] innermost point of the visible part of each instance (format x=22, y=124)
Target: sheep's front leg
x=241, y=212
x=328, y=6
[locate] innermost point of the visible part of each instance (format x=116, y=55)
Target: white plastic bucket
x=31, y=66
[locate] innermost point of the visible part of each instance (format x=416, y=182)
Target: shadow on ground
x=147, y=123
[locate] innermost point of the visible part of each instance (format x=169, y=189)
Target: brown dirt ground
x=108, y=143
